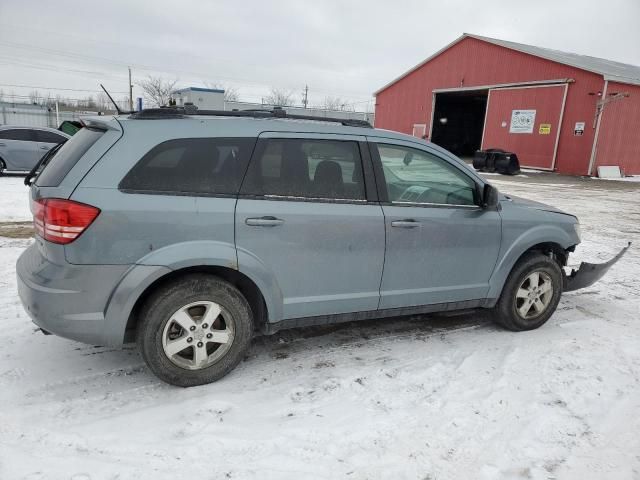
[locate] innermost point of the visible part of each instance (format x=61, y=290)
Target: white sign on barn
x=522, y=121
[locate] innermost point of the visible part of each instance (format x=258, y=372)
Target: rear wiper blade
x=41, y=163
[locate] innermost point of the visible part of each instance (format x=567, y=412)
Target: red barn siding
x=534, y=149
x=619, y=136
x=473, y=62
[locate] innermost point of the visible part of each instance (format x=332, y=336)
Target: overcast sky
x=339, y=48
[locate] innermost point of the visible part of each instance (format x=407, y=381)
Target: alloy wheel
x=198, y=335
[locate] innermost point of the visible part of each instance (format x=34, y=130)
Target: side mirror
x=489, y=196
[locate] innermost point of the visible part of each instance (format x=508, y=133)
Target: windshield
x=53, y=171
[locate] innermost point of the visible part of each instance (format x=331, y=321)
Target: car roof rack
x=164, y=113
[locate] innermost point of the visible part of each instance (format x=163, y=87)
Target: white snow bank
x=14, y=199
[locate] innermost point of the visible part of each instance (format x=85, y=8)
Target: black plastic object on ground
x=496, y=160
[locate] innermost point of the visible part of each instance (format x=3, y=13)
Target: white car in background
x=22, y=147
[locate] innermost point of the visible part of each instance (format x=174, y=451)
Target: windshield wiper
x=41, y=163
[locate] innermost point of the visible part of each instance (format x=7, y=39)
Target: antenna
x=120, y=112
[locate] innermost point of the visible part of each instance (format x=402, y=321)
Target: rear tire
x=531, y=293
x=194, y=330
x=3, y=167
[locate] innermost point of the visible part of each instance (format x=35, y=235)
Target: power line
x=56, y=88
x=146, y=67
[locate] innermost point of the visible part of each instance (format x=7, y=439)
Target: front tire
x=3, y=167
x=194, y=330
x=531, y=293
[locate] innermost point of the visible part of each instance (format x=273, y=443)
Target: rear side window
x=23, y=134
x=48, y=137
x=202, y=166
x=324, y=169
x=68, y=155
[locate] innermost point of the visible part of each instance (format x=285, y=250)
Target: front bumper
x=589, y=273
x=67, y=300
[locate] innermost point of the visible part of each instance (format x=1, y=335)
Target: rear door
x=441, y=246
x=525, y=120
x=47, y=140
x=307, y=216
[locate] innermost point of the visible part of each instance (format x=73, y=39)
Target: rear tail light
x=61, y=221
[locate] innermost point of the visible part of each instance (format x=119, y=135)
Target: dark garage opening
x=458, y=121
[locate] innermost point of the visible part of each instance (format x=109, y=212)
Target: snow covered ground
x=416, y=398
x=14, y=199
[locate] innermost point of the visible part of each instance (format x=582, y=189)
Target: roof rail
x=180, y=112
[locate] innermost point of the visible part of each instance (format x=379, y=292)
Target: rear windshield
x=68, y=155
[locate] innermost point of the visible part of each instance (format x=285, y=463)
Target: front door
x=441, y=246
x=304, y=214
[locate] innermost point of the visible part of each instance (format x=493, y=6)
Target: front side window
x=22, y=134
x=192, y=165
x=323, y=169
x=416, y=176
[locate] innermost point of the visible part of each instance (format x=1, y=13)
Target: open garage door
x=526, y=120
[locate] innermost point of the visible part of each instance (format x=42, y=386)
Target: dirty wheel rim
x=534, y=295
x=198, y=335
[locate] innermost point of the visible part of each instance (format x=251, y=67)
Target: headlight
x=576, y=227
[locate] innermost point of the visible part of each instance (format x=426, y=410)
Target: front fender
x=525, y=240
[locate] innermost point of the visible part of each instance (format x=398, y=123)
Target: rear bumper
x=589, y=273
x=67, y=300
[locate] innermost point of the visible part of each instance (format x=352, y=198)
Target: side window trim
x=371, y=194
x=31, y=136
x=381, y=181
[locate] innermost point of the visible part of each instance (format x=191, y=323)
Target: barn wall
x=619, y=136
x=473, y=62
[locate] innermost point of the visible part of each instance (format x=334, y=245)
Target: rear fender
x=177, y=257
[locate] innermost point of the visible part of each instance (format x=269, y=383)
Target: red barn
x=557, y=111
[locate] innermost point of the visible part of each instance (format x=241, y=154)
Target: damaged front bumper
x=589, y=273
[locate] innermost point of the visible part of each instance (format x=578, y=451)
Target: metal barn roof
x=610, y=70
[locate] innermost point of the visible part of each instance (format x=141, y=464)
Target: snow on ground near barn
x=416, y=398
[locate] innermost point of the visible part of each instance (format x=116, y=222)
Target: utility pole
x=130, y=92
x=305, y=97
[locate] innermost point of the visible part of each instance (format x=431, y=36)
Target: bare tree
x=336, y=103
x=157, y=90
x=279, y=98
x=34, y=97
x=103, y=102
x=230, y=93
x=1, y=95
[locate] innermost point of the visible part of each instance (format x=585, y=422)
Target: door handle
x=2, y=145
x=43, y=147
x=267, y=221
x=407, y=223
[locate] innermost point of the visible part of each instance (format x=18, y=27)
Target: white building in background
x=203, y=98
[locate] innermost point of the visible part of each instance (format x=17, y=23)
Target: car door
x=47, y=140
x=441, y=245
x=306, y=215
x=18, y=148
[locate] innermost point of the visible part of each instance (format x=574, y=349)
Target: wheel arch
x=553, y=245
x=242, y=282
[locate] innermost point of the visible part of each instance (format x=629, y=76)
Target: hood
x=526, y=203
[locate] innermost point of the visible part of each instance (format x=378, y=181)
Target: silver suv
x=189, y=231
